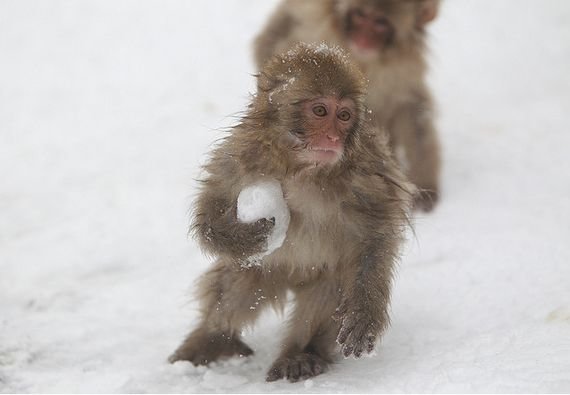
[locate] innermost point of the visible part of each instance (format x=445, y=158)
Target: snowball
x=265, y=200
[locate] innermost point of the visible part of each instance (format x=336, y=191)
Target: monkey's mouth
x=364, y=42
x=369, y=41
x=324, y=155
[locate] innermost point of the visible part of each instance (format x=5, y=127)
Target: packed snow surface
x=107, y=112
x=265, y=200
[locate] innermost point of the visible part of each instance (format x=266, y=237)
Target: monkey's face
x=326, y=122
x=372, y=26
x=368, y=29
x=310, y=101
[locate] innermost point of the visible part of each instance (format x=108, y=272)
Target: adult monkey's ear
x=427, y=12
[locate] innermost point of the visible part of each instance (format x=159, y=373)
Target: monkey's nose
x=333, y=138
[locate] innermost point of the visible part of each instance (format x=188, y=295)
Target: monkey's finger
x=358, y=349
x=347, y=350
x=306, y=368
x=277, y=372
x=293, y=372
x=272, y=376
x=316, y=367
x=371, y=343
x=358, y=339
x=345, y=331
x=366, y=343
x=265, y=223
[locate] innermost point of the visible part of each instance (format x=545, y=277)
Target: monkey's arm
x=363, y=312
x=377, y=215
x=412, y=127
x=277, y=29
x=217, y=228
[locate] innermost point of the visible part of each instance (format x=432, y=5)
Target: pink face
x=368, y=30
x=328, y=121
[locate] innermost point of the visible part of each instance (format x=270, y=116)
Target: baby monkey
x=307, y=129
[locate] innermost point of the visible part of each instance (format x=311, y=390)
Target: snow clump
x=264, y=199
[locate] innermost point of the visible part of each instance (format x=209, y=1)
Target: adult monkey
x=387, y=40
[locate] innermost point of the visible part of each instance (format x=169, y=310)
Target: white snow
x=107, y=110
x=265, y=199
x=282, y=88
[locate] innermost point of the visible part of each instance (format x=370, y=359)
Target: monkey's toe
x=201, y=349
x=426, y=200
x=298, y=367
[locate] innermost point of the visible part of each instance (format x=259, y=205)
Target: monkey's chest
x=316, y=235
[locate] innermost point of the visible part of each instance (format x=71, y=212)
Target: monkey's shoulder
x=232, y=153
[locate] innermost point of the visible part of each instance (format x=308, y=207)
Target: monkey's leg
x=309, y=346
x=230, y=297
x=412, y=129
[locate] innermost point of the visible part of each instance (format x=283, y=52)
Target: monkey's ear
x=428, y=12
x=265, y=83
x=262, y=82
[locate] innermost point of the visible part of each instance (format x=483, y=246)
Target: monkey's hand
x=265, y=199
x=254, y=235
x=239, y=240
x=358, y=330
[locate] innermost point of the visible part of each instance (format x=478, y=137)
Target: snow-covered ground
x=107, y=110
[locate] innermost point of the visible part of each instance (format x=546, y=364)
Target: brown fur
x=347, y=223
x=397, y=95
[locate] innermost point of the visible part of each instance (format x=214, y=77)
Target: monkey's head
x=313, y=100
x=373, y=26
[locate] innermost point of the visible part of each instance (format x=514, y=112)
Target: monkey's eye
x=358, y=13
x=320, y=110
x=344, y=115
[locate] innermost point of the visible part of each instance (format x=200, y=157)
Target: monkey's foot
x=426, y=200
x=202, y=348
x=297, y=367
